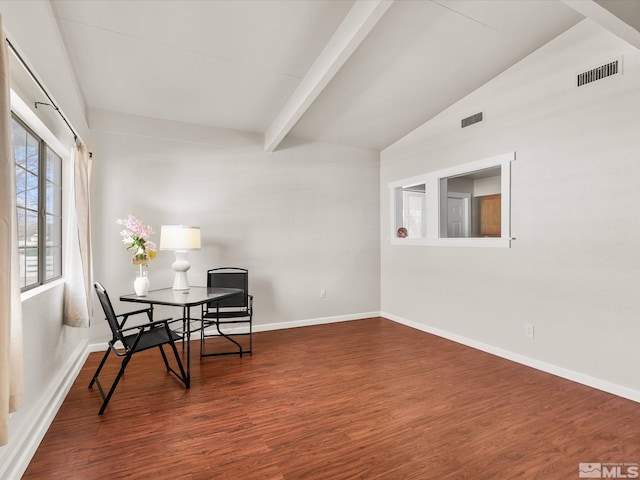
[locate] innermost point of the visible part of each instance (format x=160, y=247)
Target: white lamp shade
x=179, y=237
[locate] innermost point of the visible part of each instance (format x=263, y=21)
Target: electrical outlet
x=323, y=293
x=528, y=330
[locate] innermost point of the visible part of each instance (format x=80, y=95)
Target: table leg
x=186, y=314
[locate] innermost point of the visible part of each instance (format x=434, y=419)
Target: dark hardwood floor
x=367, y=399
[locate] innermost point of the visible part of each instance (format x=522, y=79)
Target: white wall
x=486, y=186
x=573, y=270
x=301, y=219
x=33, y=30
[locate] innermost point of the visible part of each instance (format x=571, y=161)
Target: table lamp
x=181, y=239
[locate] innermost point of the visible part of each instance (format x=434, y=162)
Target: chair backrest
x=230, y=277
x=112, y=320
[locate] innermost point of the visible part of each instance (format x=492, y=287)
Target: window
x=470, y=204
x=466, y=205
x=39, y=207
x=411, y=218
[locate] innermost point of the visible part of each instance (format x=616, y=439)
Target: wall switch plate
x=323, y=293
x=528, y=330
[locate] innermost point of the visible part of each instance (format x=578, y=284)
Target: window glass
x=33, y=153
x=39, y=207
x=470, y=204
x=31, y=191
x=31, y=250
x=54, y=263
x=19, y=144
x=411, y=214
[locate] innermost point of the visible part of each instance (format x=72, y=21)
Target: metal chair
x=133, y=340
x=230, y=313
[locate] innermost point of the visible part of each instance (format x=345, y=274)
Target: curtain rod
x=35, y=79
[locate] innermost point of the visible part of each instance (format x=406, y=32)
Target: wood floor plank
x=367, y=399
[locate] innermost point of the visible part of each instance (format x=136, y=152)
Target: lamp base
x=180, y=281
x=180, y=266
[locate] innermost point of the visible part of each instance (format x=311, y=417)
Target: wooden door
x=490, y=219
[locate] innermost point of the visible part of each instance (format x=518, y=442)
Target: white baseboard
x=102, y=346
x=597, y=383
x=314, y=321
x=25, y=445
x=97, y=347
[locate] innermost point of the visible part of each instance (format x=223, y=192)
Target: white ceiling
x=235, y=64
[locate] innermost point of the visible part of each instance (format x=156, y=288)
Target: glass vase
x=141, y=283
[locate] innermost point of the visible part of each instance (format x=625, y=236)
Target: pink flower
x=136, y=236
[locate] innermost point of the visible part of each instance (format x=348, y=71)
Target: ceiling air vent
x=598, y=73
x=472, y=119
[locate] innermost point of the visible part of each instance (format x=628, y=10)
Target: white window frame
x=37, y=126
x=433, y=194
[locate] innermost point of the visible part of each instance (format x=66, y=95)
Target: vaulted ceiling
x=362, y=73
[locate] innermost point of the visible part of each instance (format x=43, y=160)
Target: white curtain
x=11, y=389
x=78, y=266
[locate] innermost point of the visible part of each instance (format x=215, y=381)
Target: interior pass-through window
x=464, y=205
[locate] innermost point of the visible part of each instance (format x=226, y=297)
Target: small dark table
x=186, y=299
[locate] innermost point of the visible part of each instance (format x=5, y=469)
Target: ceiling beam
x=363, y=16
x=620, y=17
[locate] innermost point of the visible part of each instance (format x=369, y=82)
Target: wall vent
x=598, y=73
x=472, y=119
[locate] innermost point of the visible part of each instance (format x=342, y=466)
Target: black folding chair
x=230, y=313
x=133, y=340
